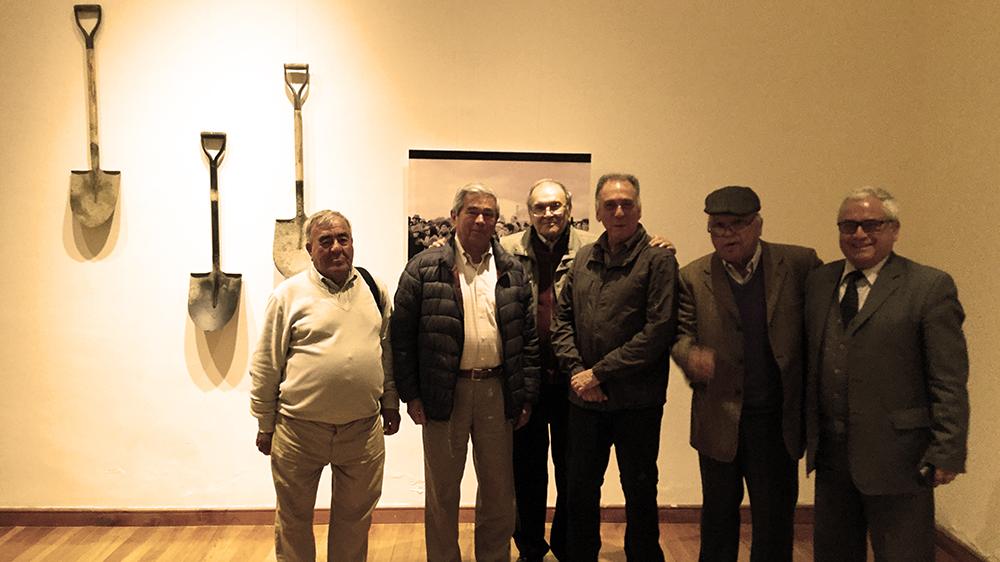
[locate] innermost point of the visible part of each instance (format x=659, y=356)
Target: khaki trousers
x=478, y=413
x=299, y=451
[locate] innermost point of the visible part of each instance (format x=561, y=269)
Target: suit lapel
x=774, y=276
x=718, y=282
x=889, y=279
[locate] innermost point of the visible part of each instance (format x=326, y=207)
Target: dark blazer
x=907, y=373
x=708, y=316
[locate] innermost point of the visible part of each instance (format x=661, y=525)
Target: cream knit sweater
x=323, y=353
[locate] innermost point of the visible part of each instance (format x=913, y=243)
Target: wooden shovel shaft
x=79, y=11
x=95, y=155
x=301, y=71
x=299, y=183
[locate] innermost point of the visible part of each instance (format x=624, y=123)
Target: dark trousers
x=772, y=481
x=531, y=474
x=635, y=435
x=901, y=525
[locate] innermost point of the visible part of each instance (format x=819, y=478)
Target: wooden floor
x=389, y=543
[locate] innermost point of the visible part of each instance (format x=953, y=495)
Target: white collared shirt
x=865, y=286
x=339, y=293
x=479, y=304
x=736, y=275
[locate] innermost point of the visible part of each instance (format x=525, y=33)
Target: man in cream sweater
x=323, y=394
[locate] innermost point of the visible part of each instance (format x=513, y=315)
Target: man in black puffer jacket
x=465, y=360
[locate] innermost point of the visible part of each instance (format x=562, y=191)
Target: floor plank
x=395, y=542
x=23, y=542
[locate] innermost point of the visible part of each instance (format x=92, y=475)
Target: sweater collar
x=331, y=285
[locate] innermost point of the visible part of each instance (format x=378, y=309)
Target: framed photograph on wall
x=435, y=175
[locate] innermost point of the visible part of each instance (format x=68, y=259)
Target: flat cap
x=732, y=200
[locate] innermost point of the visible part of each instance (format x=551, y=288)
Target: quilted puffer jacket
x=428, y=334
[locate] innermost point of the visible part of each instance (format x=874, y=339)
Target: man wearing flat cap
x=740, y=345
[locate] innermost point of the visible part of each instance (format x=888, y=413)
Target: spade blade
x=93, y=195
x=213, y=298
x=289, y=251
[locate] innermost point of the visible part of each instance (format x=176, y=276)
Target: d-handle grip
x=83, y=10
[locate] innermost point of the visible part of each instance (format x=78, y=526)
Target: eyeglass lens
x=869, y=226
x=554, y=207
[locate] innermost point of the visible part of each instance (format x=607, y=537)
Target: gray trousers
x=901, y=526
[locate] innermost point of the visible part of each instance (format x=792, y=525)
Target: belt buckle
x=479, y=374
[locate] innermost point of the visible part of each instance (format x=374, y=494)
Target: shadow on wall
x=988, y=536
x=219, y=358
x=90, y=244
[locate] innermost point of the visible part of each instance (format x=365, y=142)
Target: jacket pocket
x=910, y=418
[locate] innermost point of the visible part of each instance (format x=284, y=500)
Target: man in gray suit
x=741, y=348
x=887, y=405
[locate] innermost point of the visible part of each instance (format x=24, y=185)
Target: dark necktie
x=849, y=304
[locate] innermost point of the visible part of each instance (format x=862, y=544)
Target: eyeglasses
x=738, y=225
x=555, y=207
x=869, y=226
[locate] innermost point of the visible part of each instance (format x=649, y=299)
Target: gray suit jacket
x=907, y=373
x=708, y=316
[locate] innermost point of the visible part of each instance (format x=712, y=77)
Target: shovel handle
x=297, y=93
x=206, y=137
x=80, y=11
x=213, y=161
x=86, y=9
x=298, y=70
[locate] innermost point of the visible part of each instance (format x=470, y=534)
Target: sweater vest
x=833, y=378
x=546, y=263
x=762, y=377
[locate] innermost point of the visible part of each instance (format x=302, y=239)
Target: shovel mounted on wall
x=93, y=193
x=213, y=296
x=290, y=256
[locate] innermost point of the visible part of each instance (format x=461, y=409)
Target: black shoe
x=527, y=559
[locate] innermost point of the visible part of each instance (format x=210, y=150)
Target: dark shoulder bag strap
x=370, y=281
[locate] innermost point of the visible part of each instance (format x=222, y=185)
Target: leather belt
x=480, y=374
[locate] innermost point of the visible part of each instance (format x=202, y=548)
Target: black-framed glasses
x=869, y=226
x=554, y=207
x=738, y=225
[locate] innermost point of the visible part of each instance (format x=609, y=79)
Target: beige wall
x=955, y=200
x=111, y=398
